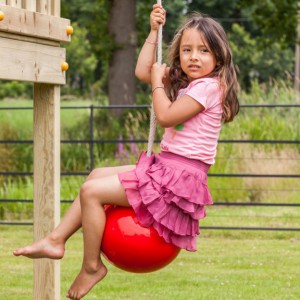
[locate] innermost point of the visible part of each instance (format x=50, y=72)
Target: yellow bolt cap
x=64, y=66
x=69, y=30
x=2, y=15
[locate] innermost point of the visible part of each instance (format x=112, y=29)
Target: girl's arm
x=147, y=56
x=169, y=114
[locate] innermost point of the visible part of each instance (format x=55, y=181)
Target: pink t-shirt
x=197, y=138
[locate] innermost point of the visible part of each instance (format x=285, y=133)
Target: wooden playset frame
x=30, y=35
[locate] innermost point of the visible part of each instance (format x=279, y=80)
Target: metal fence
x=92, y=141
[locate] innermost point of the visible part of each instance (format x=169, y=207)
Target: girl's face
x=196, y=59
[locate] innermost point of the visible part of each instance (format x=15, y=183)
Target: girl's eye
x=204, y=50
x=186, y=50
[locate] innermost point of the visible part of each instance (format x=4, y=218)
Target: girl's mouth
x=193, y=67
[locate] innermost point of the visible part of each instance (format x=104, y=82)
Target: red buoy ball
x=131, y=247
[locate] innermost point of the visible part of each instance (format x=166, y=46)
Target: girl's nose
x=194, y=56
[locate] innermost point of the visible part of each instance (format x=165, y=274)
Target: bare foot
x=45, y=248
x=85, y=281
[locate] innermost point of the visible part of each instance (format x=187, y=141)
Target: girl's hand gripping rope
x=158, y=74
x=157, y=17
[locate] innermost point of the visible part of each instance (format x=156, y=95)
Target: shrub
x=15, y=89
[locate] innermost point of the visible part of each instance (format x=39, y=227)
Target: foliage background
x=229, y=264
x=262, y=35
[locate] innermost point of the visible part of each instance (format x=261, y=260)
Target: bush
x=15, y=89
x=258, y=64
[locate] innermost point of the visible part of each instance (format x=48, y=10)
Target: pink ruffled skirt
x=169, y=192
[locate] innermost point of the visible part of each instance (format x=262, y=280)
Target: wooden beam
x=24, y=38
x=14, y=3
x=26, y=61
x=56, y=8
x=46, y=184
x=25, y=22
x=30, y=5
x=44, y=7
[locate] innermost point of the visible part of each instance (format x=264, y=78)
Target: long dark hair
x=225, y=70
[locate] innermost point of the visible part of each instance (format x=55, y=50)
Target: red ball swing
x=132, y=247
x=128, y=245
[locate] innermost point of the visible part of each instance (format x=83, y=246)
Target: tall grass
x=251, y=123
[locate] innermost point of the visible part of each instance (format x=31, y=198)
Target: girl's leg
x=53, y=245
x=94, y=195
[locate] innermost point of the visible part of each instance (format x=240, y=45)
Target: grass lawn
x=23, y=119
x=228, y=265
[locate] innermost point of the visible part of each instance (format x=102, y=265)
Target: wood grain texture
x=30, y=23
x=30, y=51
x=30, y=5
x=46, y=184
x=26, y=61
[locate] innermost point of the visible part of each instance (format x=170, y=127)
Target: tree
x=254, y=65
x=116, y=29
x=262, y=35
x=175, y=9
x=121, y=83
x=244, y=55
x=83, y=62
x=277, y=20
x=224, y=13
x=272, y=20
x=93, y=16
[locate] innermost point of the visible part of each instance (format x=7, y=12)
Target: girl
x=167, y=190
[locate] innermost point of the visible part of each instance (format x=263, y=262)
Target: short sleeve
x=202, y=92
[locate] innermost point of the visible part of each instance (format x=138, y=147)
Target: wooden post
x=46, y=184
x=30, y=5
x=55, y=8
x=14, y=3
x=30, y=51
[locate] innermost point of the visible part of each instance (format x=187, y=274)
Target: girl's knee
x=90, y=191
x=86, y=191
x=98, y=172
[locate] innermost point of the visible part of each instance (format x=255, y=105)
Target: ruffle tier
x=168, y=195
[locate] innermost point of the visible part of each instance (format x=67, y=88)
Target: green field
x=252, y=123
x=227, y=266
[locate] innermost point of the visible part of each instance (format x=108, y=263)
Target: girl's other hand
x=158, y=73
x=157, y=17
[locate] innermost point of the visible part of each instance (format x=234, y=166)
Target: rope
x=152, y=128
